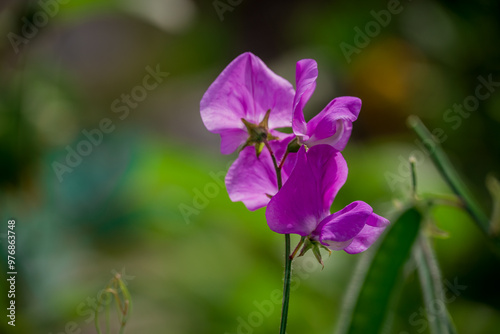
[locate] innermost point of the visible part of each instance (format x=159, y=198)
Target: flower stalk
x=301, y=242
x=413, y=162
x=275, y=163
x=288, y=257
x=286, y=285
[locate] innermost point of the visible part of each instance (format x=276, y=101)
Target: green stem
x=286, y=285
x=301, y=242
x=283, y=160
x=275, y=163
x=413, y=176
x=452, y=178
x=288, y=258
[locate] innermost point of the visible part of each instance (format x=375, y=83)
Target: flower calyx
x=259, y=134
x=310, y=244
x=294, y=145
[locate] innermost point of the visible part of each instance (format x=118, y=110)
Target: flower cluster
x=298, y=175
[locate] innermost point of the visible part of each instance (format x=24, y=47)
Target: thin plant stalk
x=454, y=181
x=275, y=163
x=413, y=176
x=288, y=257
x=286, y=285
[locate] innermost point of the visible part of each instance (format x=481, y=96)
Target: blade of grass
x=127, y=304
x=367, y=301
x=116, y=289
x=430, y=279
x=452, y=178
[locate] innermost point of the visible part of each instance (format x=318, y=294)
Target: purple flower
x=302, y=206
x=333, y=125
x=252, y=178
x=246, y=103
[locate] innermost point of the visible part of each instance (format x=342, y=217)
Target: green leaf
x=432, y=288
x=367, y=302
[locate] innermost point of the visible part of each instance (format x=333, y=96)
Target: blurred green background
x=147, y=199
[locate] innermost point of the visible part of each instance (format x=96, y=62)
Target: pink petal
x=330, y=169
x=296, y=208
x=343, y=226
x=305, y=199
x=230, y=140
x=375, y=226
x=246, y=88
x=305, y=76
x=251, y=179
x=333, y=125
